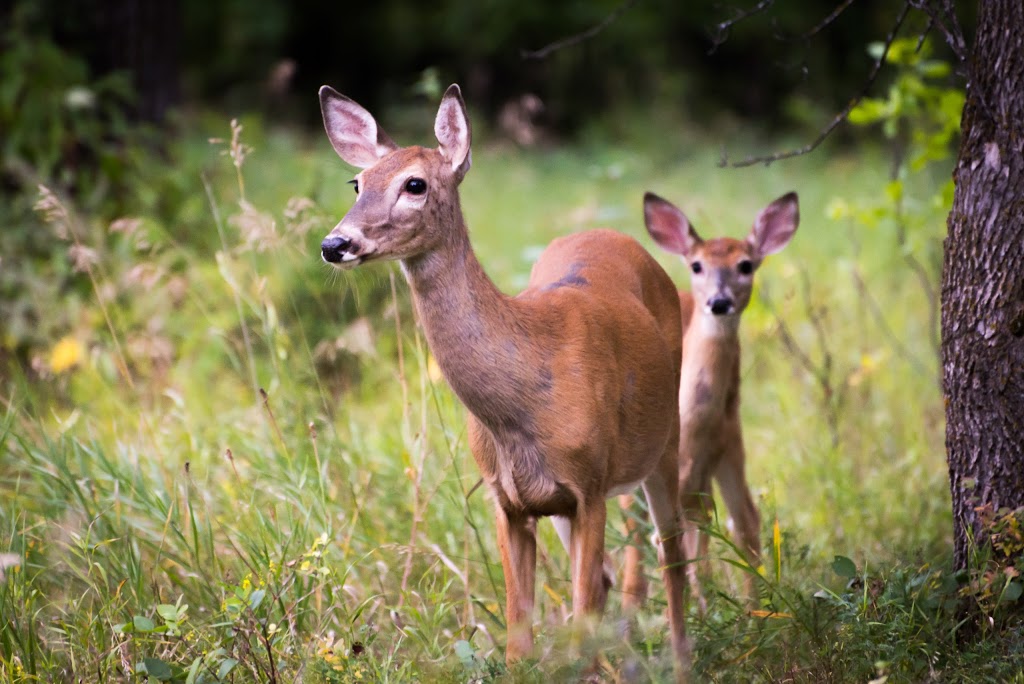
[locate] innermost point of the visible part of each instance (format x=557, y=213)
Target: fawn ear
x=453, y=131
x=355, y=135
x=668, y=226
x=774, y=226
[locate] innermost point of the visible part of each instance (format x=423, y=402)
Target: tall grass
x=247, y=467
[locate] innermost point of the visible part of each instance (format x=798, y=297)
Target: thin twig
x=273, y=422
x=723, y=28
x=569, y=41
x=838, y=118
x=833, y=15
x=945, y=18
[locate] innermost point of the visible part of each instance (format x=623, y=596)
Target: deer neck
x=710, y=372
x=475, y=332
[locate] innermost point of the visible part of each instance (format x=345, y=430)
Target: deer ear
x=774, y=226
x=453, y=131
x=668, y=226
x=355, y=135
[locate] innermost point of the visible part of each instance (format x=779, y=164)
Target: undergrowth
x=228, y=463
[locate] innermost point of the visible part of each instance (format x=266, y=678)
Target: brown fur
x=711, y=436
x=571, y=386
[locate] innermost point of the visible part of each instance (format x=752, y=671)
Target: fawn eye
x=696, y=267
x=355, y=185
x=745, y=267
x=415, y=186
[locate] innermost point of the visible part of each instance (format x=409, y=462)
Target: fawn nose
x=333, y=248
x=720, y=305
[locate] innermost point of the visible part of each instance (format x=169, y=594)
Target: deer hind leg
x=662, y=491
x=517, y=543
x=745, y=518
x=634, y=582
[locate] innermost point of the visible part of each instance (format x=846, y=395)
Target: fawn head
x=407, y=196
x=722, y=269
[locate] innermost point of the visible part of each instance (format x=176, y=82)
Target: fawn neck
x=474, y=332
x=711, y=357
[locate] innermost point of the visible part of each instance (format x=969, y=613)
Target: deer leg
x=662, y=491
x=634, y=583
x=745, y=518
x=696, y=498
x=586, y=553
x=517, y=543
x=563, y=526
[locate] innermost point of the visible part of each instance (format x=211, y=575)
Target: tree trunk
x=983, y=282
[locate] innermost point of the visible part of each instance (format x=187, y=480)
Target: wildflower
x=66, y=354
x=126, y=225
x=258, y=229
x=8, y=560
x=53, y=212
x=83, y=258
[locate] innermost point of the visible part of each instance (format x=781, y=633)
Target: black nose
x=720, y=305
x=332, y=248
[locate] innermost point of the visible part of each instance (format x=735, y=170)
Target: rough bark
x=983, y=281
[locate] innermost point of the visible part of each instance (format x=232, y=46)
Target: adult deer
x=711, y=439
x=571, y=386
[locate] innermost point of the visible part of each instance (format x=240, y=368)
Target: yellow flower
x=433, y=370
x=66, y=354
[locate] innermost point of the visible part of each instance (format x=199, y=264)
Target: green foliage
x=67, y=130
x=171, y=520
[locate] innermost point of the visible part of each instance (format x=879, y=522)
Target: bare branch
x=942, y=13
x=723, y=28
x=838, y=118
x=833, y=15
x=543, y=52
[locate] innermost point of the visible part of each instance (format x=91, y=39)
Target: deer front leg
x=696, y=501
x=743, y=511
x=563, y=526
x=517, y=543
x=586, y=554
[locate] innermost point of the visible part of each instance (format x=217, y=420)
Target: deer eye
x=745, y=267
x=696, y=267
x=355, y=185
x=415, y=186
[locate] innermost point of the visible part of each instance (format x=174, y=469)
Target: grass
x=244, y=467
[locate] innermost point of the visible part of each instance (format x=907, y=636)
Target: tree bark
x=983, y=282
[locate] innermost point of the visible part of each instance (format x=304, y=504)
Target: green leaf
x=464, y=650
x=143, y=624
x=868, y=111
x=933, y=68
x=193, y=671
x=226, y=666
x=157, y=669
x=256, y=598
x=122, y=628
x=844, y=567
x=167, y=611
x=1013, y=591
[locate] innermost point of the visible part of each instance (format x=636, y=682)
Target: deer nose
x=333, y=248
x=720, y=305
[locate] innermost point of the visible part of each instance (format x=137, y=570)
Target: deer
x=711, y=438
x=570, y=385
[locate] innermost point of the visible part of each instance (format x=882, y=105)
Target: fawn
x=711, y=438
x=571, y=386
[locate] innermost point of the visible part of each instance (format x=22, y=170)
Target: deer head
x=722, y=269
x=407, y=196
